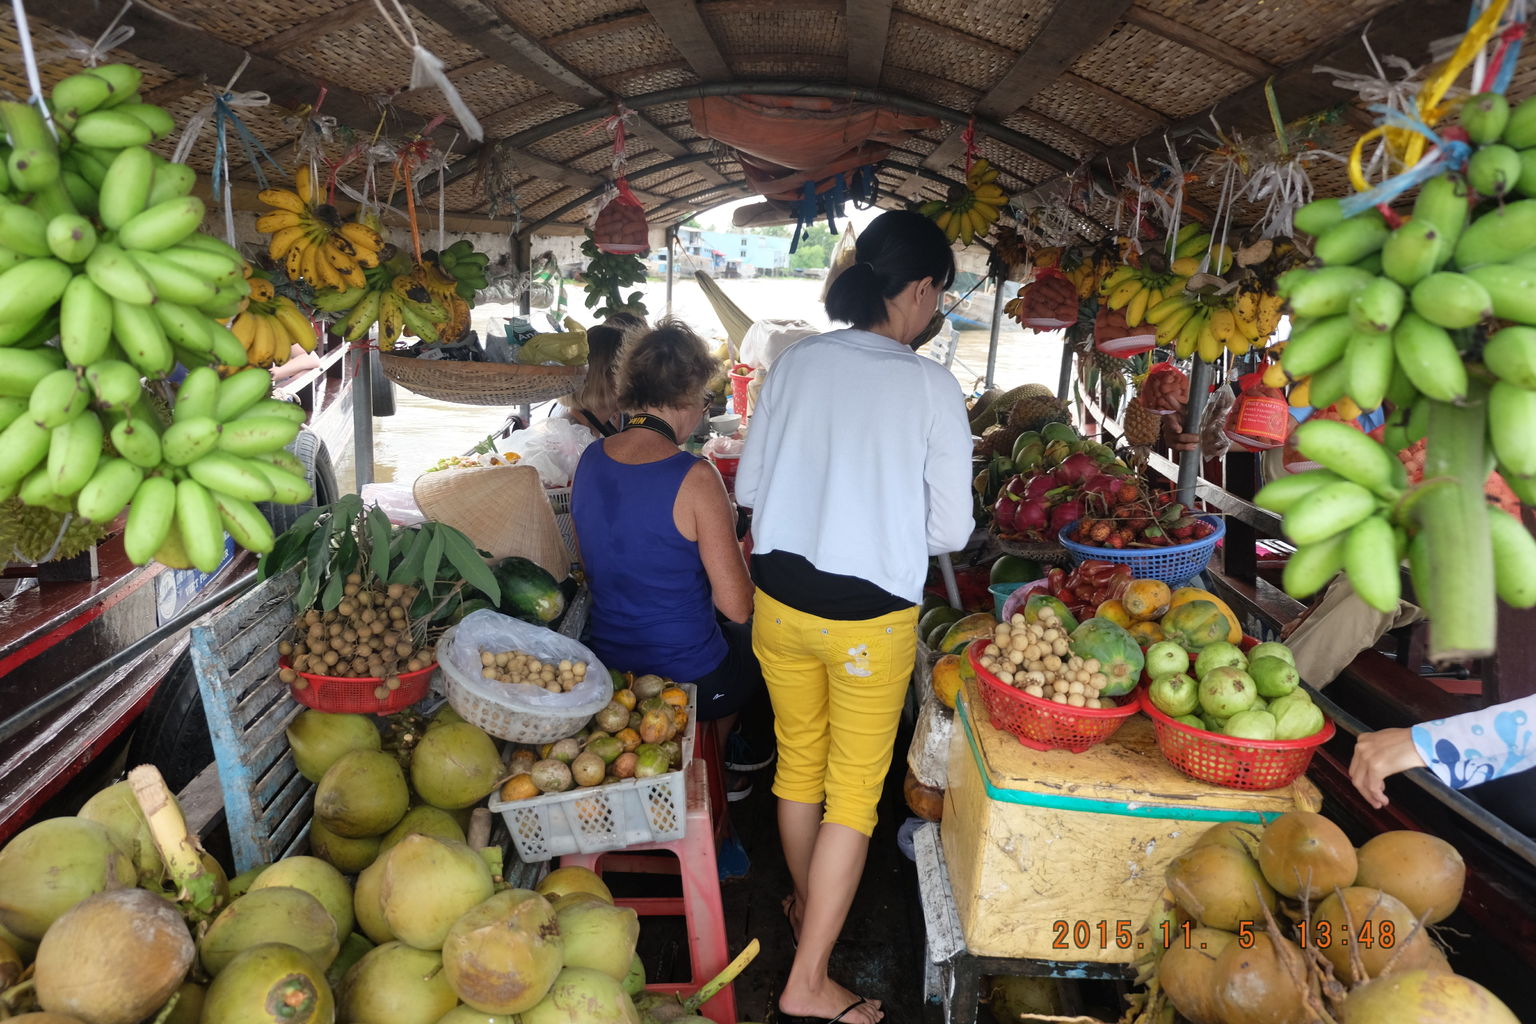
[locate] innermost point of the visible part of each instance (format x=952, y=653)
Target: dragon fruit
x=1066, y=512
x=1005, y=512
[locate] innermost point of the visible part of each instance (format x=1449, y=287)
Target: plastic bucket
x=1000, y=595
x=739, y=382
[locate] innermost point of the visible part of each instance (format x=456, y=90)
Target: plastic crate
x=1235, y=763
x=355, y=694
x=560, y=504
x=1173, y=564
x=600, y=818
x=1044, y=724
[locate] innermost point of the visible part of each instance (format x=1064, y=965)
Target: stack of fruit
x=1055, y=468
x=1048, y=657
x=368, y=635
x=1153, y=612
x=1289, y=922
x=1130, y=518
x=605, y=275
x=1252, y=696
x=967, y=214
x=271, y=324
x=398, y=295
x=634, y=737
x=466, y=265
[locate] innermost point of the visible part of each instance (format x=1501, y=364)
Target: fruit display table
x=1054, y=855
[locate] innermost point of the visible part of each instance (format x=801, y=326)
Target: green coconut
x=426, y=820
x=280, y=914
x=397, y=984
x=53, y=865
x=113, y=958
x=598, y=935
x=271, y=983
x=117, y=810
x=349, y=856
x=320, y=880
x=470, y=1015
x=26, y=949
x=581, y=995
x=362, y=794
x=319, y=739
x=1423, y=995
x=366, y=906
x=353, y=948
x=189, y=998
x=241, y=883
x=503, y=955
x=455, y=765
x=427, y=883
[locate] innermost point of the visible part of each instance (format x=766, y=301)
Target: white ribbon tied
x=427, y=69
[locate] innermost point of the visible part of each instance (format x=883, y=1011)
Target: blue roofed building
x=724, y=253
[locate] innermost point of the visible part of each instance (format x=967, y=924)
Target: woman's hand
x=1379, y=754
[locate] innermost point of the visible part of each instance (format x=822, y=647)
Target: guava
x=1225, y=691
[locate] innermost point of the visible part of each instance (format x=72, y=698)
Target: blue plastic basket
x=1173, y=564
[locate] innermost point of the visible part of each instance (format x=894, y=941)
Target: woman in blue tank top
x=657, y=536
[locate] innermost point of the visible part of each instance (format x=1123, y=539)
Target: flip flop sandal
x=784, y=1018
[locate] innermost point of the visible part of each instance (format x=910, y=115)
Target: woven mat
x=482, y=383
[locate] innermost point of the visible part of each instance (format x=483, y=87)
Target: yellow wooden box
x=1059, y=856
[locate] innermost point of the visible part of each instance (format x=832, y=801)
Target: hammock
x=736, y=322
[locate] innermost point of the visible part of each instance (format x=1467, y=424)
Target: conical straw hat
x=503, y=509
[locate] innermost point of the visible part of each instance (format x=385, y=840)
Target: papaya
x=1036, y=602
x=1184, y=595
x=1119, y=655
x=946, y=678
x=1146, y=633
x=1146, y=599
x=527, y=590
x=962, y=632
x=1195, y=624
x=1115, y=612
x=932, y=619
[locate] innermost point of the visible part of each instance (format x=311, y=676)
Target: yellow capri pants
x=837, y=688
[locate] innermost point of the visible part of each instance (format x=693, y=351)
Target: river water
x=423, y=430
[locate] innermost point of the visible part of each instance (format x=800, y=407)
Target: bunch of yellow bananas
x=967, y=215
x=1138, y=290
x=270, y=325
x=393, y=297
x=311, y=241
x=443, y=287
x=1191, y=245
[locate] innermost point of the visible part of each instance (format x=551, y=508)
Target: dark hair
x=597, y=392
x=667, y=367
x=898, y=247
x=626, y=322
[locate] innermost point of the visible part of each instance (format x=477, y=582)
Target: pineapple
x=1142, y=425
x=1034, y=412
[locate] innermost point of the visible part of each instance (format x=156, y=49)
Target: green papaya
x=527, y=590
x=963, y=631
x=1037, y=602
x=1195, y=625
x=1119, y=655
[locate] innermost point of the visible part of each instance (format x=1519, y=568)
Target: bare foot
x=827, y=1001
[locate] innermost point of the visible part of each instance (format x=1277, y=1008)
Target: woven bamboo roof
x=1055, y=87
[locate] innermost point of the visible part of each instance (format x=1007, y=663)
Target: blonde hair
x=667, y=367
x=598, y=390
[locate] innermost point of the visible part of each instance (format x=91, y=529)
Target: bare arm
x=703, y=514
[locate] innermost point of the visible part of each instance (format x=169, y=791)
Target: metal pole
x=522, y=258
x=947, y=570
x=1189, y=462
x=997, y=326
x=1064, y=381
x=671, y=259
x=362, y=417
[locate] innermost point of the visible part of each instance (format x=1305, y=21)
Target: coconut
x=634, y=980
x=366, y=906
x=189, y=1004
x=597, y=934
x=215, y=871
x=455, y=766
x=1219, y=887
x=1424, y=871
x=470, y=1015
x=425, y=820
x=588, y=769
x=1264, y=984
x=114, y=958
x=1018, y=998
x=320, y=880
x=573, y=879
x=241, y=883
x=1406, y=996
x=48, y=868
x=279, y=914
x=1188, y=970
x=362, y=794
x=1373, y=926
x=43, y=1018
x=444, y=715
x=583, y=996
x=26, y=949
x=11, y=966
x=353, y=948
x=271, y=983
x=427, y=884
x=1304, y=855
x=349, y=856
x=319, y=738
x=1239, y=835
x=117, y=810
x=397, y=984
x=502, y=956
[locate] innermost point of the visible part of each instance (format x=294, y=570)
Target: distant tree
x=808, y=257
x=692, y=222
x=772, y=231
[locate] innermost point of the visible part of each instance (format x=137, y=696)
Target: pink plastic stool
x=699, y=904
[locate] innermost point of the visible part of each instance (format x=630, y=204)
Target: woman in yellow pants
x=857, y=468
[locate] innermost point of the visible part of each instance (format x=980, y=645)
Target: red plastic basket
x=354, y=694
x=1236, y=764
x=1043, y=724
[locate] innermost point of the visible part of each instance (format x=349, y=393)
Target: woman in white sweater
x=857, y=469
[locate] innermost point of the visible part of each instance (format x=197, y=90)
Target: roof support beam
x=869, y=26
x=1194, y=39
x=1072, y=28
x=690, y=36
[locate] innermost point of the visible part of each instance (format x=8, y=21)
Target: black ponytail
x=898, y=247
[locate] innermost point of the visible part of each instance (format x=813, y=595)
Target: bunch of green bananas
x=391, y=297
x=1437, y=318
x=467, y=267
x=104, y=281
x=605, y=275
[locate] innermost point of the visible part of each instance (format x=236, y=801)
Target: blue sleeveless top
x=652, y=607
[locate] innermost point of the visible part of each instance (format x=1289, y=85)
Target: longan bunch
x=367, y=635
x=520, y=667
x=1035, y=657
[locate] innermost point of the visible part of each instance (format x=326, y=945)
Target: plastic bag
x=552, y=446
x=397, y=501
x=765, y=339
x=520, y=712
x=928, y=756
x=844, y=253
x=1260, y=416
x=620, y=228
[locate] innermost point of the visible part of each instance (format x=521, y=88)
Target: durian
x=30, y=534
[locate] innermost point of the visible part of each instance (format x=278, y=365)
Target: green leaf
x=434, y=556
x=333, y=592
x=378, y=533
x=286, y=552
x=461, y=552
x=316, y=565
x=408, y=571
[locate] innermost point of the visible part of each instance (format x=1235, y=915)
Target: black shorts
x=732, y=684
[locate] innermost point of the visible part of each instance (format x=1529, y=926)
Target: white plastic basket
x=600, y=818
x=560, y=502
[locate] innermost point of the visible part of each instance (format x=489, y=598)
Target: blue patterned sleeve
x=1470, y=749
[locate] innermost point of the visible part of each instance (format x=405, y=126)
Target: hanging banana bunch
x=270, y=325
x=311, y=241
x=392, y=297
x=968, y=213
